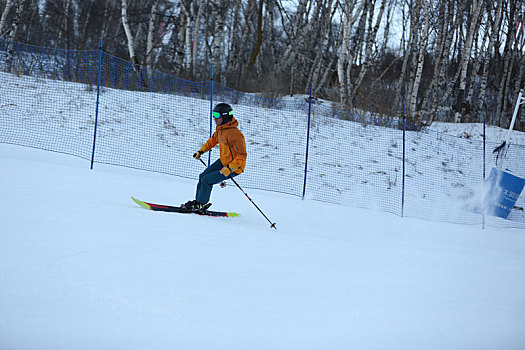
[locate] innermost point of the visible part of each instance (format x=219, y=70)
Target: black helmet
x=223, y=110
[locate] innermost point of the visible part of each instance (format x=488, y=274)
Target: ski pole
x=272, y=225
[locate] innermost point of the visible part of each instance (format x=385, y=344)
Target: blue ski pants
x=209, y=177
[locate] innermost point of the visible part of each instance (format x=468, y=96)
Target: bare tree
x=189, y=41
x=240, y=42
x=179, y=40
x=83, y=34
x=12, y=34
x=3, y=19
x=370, y=42
x=296, y=38
x=196, y=31
x=257, y=47
x=444, y=35
x=346, y=56
x=297, y=33
x=410, y=48
x=219, y=33
x=127, y=30
x=13, y=31
x=420, y=60
x=355, y=50
x=475, y=75
x=151, y=33
x=494, y=14
x=513, y=55
x=465, y=59
x=320, y=40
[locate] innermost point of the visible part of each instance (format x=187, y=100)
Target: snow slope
x=351, y=162
x=83, y=267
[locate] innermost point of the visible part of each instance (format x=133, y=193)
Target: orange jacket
x=232, y=146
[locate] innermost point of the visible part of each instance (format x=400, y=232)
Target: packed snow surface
x=83, y=267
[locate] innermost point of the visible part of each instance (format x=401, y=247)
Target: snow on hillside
x=349, y=162
x=475, y=131
x=83, y=267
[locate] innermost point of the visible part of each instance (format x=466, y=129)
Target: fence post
x=96, y=108
x=484, y=164
x=307, y=141
x=211, y=109
x=403, y=179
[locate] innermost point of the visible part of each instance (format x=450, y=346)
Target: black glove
x=198, y=154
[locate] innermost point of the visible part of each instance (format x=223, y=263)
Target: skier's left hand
x=226, y=171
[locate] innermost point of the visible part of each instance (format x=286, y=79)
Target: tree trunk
x=438, y=55
x=31, y=20
x=196, y=37
x=271, y=31
x=404, y=66
x=370, y=41
x=107, y=20
x=129, y=36
x=292, y=80
x=355, y=49
x=258, y=43
x=67, y=24
x=69, y=34
x=218, y=39
x=297, y=35
x=495, y=30
x=150, y=40
x=3, y=19
x=12, y=34
x=343, y=60
x=451, y=29
x=83, y=32
x=509, y=53
x=296, y=42
x=320, y=38
x=420, y=62
x=233, y=61
x=465, y=59
x=469, y=110
x=521, y=64
x=189, y=41
x=505, y=91
x=242, y=43
x=179, y=44
x=386, y=31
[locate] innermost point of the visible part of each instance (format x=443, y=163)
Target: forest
x=453, y=61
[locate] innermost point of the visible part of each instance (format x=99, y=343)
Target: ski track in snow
x=82, y=266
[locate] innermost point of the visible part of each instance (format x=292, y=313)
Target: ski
x=175, y=209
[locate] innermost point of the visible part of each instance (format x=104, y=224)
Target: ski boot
x=195, y=207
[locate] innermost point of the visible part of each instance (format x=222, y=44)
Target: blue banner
x=505, y=190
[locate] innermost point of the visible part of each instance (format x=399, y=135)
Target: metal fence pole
x=96, y=108
x=484, y=166
x=211, y=109
x=307, y=141
x=403, y=179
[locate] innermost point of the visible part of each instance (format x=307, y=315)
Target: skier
x=231, y=163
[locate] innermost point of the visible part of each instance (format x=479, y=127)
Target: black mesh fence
x=152, y=121
x=48, y=98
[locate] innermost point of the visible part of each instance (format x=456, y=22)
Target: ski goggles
x=218, y=115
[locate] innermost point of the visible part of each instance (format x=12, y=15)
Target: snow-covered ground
x=475, y=131
x=84, y=267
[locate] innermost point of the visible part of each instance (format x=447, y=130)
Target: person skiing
x=232, y=160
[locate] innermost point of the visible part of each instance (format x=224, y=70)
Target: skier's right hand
x=198, y=154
